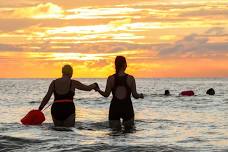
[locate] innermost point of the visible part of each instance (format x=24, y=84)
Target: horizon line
x=107, y=77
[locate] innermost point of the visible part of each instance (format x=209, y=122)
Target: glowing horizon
x=159, y=39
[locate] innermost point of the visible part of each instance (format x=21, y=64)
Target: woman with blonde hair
x=63, y=108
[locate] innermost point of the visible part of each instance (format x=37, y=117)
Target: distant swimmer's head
x=211, y=92
x=167, y=93
x=120, y=63
x=67, y=70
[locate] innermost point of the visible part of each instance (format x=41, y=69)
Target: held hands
x=141, y=95
x=96, y=87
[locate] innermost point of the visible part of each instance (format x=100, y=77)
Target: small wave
x=18, y=140
x=112, y=148
x=159, y=95
x=79, y=125
x=8, y=143
x=167, y=121
x=192, y=139
x=92, y=125
x=61, y=128
x=10, y=126
x=32, y=102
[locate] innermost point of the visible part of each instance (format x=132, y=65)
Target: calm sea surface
x=198, y=123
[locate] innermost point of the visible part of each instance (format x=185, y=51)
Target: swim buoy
x=33, y=117
x=187, y=93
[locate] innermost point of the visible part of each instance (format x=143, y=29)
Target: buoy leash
x=47, y=107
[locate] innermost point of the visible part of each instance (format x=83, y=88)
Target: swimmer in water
x=167, y=93
x=63, y=108
x=122, y=86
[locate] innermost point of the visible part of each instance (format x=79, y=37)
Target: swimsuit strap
x=126, y=85
x=54, y=85
x=68, y=95
x=121, y=82
x=125, y=80
x=69, y=87
x=118, y=81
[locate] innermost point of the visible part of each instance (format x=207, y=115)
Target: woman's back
x=63, y=85
x=121, y=88
x=63, y=89
x=63, y=108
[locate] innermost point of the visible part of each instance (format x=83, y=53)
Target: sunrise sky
x=160, y=38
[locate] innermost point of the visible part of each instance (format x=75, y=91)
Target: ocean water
x=174, y=123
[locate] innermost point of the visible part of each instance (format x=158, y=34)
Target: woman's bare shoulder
x=75, y=81
x=111, y=77
x=57, y=80
x=130, y=77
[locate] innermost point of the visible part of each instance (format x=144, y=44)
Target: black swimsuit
x=121, y=108
x=62, y=110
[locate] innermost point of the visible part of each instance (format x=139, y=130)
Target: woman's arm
x=81, y=86
x=47, y=96
x=133, y=89
x=108, y=88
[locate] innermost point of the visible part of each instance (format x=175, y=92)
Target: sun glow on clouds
x=76, y=56
x=102, y=13
x=114, y=26
x=41, y=11
x=157, y=37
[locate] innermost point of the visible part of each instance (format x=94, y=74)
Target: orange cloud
x=159, y=39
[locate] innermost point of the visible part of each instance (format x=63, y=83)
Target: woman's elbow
x=106, y=95
x=86, y=89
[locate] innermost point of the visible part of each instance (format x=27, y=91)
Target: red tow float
x=33, y=117
x=187, y=93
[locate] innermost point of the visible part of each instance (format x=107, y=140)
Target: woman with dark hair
x=122, y=86
x=63, y=109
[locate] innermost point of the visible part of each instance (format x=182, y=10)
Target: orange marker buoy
x=187, y=93
x=33, y=117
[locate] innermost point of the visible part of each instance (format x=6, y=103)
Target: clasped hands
x=96, y=86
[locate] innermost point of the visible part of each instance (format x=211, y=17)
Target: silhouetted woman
x=122, y=86
x=63, y=109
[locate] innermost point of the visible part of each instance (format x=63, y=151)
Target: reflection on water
x=171, y=123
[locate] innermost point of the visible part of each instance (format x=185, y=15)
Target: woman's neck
x=66, y=77
x=121, y=72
